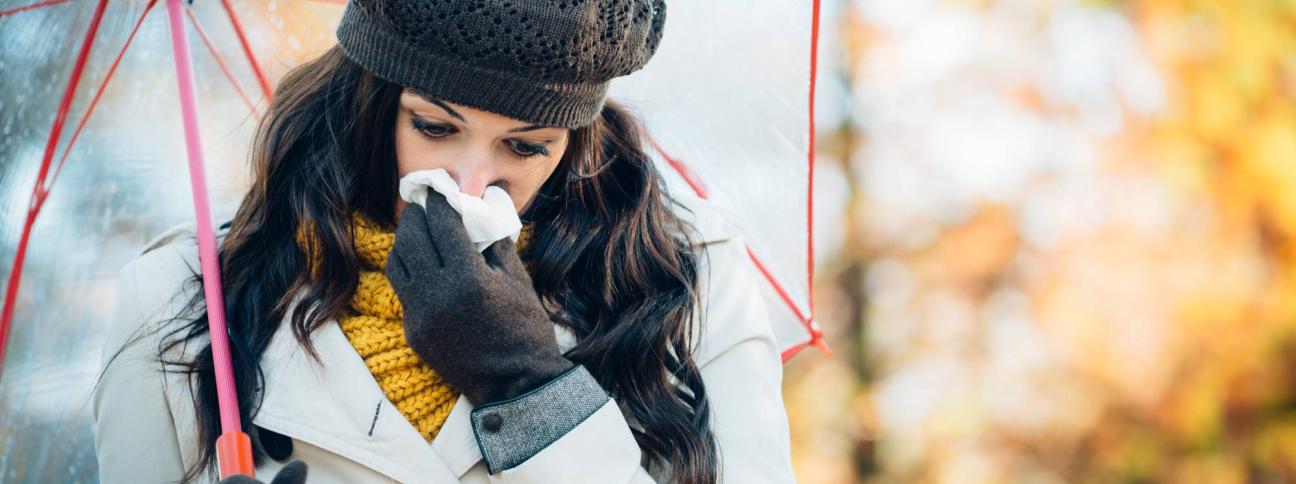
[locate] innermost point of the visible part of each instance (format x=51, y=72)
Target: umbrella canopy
x=726, y=104
x=729, y=112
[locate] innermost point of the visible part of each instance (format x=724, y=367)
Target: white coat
x=342, y=425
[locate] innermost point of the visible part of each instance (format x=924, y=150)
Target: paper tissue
x=487, y=219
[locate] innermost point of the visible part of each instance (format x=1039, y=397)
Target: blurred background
x=1054, y=238
x=1056, y=244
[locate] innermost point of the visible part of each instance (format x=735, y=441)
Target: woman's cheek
x=405, y=159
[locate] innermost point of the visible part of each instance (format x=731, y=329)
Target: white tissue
x=487, y=219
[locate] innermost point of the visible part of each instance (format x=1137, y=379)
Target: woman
x=621, y=339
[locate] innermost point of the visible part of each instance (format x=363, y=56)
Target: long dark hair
x=314, y=160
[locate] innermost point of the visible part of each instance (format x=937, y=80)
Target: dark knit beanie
x=546, y=62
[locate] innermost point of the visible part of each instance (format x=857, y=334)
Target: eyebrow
x=460, y=117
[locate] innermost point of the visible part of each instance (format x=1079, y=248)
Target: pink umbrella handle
x=233, y=448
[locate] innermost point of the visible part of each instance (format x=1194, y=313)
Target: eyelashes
x=437, y=132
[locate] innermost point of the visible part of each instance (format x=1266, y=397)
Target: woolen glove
x=473, y=317
x=293, y=473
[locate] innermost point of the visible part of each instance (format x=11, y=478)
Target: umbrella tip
x=817, y=340
x=822, y=345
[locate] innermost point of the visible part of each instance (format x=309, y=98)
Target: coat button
x=492, y=422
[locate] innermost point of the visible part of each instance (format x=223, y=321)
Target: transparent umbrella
x=726, y=102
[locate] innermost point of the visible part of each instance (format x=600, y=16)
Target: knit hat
x=546, y=62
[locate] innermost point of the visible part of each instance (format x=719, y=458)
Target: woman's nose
x=473, y=178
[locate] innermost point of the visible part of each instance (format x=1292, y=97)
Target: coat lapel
x=339, y=407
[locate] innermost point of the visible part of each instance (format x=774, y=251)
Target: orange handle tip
x=234, y=455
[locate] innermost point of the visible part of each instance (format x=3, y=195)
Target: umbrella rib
x=794, y=349
x=38, y=195
x=34, y=6
x=691, y=178
x=103, y=85
x=810, y=156
x=220, y=61
x=816, y=337
x=266, y=90
x=782, y=293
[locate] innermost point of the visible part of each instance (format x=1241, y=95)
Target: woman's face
x=478, y=148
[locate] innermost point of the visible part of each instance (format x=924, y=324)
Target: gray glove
x=293, y=473
x=473, y=317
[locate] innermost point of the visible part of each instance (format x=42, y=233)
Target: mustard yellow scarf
x=373, y=325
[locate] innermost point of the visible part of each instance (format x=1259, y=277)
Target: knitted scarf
x=373, y=324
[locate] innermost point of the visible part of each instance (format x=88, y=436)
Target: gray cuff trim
x=511, y=431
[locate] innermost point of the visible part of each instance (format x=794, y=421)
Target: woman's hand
x=474, y=318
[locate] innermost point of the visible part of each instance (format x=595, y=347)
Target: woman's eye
x=526, y=150
x=428, y=129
